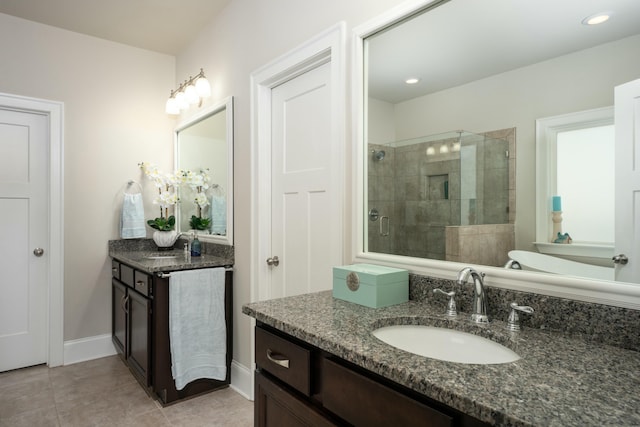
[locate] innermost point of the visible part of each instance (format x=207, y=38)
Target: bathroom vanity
x=296, y=382
x=339, y=373
x=140, y=317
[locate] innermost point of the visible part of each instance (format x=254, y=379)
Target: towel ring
x=131, y=183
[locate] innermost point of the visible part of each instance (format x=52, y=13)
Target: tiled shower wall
x=420, y=194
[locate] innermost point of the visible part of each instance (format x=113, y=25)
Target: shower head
x=378, y=155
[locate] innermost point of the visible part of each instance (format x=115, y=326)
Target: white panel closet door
x=305, y=236
x=627, y=230
x=24, y=154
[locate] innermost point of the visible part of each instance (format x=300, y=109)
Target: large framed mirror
x=448, y=94
x=204, y=154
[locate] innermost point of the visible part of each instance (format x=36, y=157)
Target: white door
x=306, y=233
x=627, y=121
x=24, y=154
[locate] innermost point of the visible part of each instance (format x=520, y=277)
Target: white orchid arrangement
x=199, y=183
x=167, y=185
x=167, y=196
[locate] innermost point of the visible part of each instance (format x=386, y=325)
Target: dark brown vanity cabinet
x=140, y=331
x=300, y=385
x=131, y=319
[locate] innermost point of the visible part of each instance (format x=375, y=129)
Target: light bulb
x=431, y=151
x=181, y=100
x=203, y=88
x=444, y=149
x=172, y=106
x=191, y=95
x=597, y=18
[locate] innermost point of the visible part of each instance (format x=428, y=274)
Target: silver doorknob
x=620, y=259
x=38, y=251
x=273, y=261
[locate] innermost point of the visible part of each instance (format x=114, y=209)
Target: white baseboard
x=88, y=348
x=241, y=379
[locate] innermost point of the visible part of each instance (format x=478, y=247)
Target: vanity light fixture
x=191, y=92
x=412, y=80
x=597, y=18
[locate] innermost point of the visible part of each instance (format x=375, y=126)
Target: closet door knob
x=38, y=252
x=273, y=261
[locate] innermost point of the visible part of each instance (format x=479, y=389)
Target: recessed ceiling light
x=597, y=18
x=412, y=80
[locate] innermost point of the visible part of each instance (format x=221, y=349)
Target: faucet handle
x=513, y=323
x=451, y=305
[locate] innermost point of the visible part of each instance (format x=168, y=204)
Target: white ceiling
x=164, y=26
x=465, y=40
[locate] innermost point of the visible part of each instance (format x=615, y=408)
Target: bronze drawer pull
x=282, y=362
x=124, y=300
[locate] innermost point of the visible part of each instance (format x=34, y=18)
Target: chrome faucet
x=479, y=297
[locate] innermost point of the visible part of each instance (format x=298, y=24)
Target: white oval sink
x=161, y=257
x=445, y=344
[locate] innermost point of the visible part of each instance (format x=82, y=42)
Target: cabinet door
x=118, y=316
x=138, y=350
x=276, y=407
x=361, y=401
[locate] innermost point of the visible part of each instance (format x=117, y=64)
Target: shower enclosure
x=425, y=193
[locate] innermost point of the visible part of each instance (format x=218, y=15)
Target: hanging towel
x=197, y=328
x=132, y=217
x=218, y=215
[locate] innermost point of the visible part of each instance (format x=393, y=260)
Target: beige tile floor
x=103, y=392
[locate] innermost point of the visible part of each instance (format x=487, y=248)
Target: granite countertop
x=559, y=381
x=174, y=260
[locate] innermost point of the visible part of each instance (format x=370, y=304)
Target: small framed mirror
x=204, y=155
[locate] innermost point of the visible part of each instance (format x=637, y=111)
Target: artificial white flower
x=201, y=200
x=166, y=199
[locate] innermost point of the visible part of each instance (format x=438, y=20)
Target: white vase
x=165, y=239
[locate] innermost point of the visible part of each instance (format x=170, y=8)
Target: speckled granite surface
x=560, y=381
x=143, y=254
x=617, y=326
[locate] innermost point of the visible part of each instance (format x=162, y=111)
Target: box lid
x=372, y=274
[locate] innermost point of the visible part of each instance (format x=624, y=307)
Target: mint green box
x=371, y=285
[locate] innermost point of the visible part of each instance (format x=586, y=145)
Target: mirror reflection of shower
x=435, y=190
x=378, y=155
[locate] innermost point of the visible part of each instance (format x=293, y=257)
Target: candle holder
x=556, y=217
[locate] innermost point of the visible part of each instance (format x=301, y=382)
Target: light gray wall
x=247, y=35
x=114, y=118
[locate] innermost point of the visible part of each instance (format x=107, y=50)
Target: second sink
x=161, y=257
x=445, y=344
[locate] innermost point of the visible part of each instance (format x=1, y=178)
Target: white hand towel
x=218, y=215
x=132, y=217
x=197, y=328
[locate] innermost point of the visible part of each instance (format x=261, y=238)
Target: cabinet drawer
x=142, y=283
x=115, y=269
x=286, y=360
x=364, y=402
x=126, y=275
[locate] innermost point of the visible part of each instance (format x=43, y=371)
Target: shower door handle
x=384, y=231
